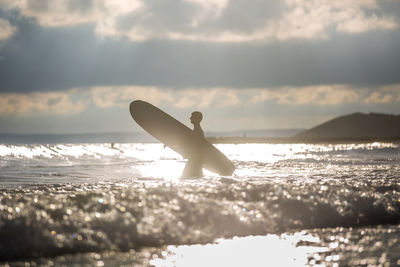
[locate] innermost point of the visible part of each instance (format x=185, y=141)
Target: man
x=194, y=166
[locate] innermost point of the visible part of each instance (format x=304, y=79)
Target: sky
x=70, y=66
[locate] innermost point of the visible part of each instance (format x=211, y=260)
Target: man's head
x=196, y=117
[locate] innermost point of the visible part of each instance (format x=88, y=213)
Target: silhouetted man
x=194, y=166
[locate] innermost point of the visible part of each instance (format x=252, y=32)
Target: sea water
x=125, y=205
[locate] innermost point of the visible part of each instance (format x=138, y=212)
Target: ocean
x=124, y=204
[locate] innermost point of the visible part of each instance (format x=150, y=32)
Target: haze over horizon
x=74, y=66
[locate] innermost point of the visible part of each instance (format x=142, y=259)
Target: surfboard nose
x=136, y=105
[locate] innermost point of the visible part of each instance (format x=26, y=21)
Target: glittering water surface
x=286, y=205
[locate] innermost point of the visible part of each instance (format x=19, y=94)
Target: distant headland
x=356, y=127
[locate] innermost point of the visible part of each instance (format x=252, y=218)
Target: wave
x=122, y=199
x=236, y=152
x=79, y=151
x=49, y=220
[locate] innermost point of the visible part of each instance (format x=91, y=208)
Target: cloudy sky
x=75, y=65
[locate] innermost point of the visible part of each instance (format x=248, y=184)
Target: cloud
x=297, y=19
x=75, y=101
x=327, y=95
x=323, y=95
x=6, y=30
x=56, y=103
x=306, y=19
x=393, y=91
x=379, y=98
x=203, y=98
x=311, y=95
x=358, y=23
x=121, y=96
x=211, y=20
x=72, y=57
x=55, y=13
x=154, y=19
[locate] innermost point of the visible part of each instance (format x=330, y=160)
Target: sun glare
x=169, y=170
x=270, y=250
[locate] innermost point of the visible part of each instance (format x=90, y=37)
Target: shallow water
x=288, y=204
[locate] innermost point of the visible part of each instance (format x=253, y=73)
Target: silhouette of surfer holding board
x=194, y=166
x=190, y=143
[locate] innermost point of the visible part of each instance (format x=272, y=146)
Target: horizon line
x=143, y=131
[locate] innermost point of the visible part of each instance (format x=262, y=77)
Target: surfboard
x=178, y=136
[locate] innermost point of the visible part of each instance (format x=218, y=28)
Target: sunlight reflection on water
x=270, y=250
x=166, y=169
x=153, y=160
x=126, y=196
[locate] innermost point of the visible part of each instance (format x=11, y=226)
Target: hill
x=355, y=126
